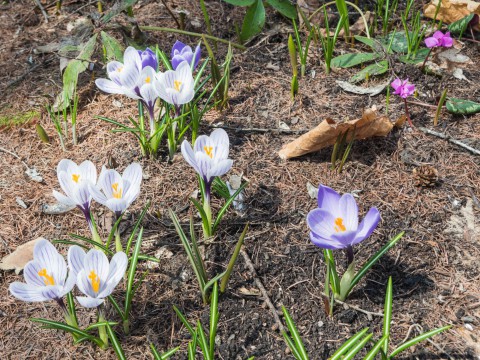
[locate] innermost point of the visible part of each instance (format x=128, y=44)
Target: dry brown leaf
x=451, y=10
x=325, y=134
x=20, y=257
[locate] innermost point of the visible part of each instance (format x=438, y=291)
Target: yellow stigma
x=177, y=84
x=117, y=191
x=147, y=80
x=48, y=279
x=209, y=151
x=119, y=69
x=94, y=280
x=75, y=177
x=339, y=227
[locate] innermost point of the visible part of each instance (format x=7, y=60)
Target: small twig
x=14, y=155
x=422, y=104
x=260, y=286
x=23, y=76
x=360, y=309
x=172, y=14
x=450, y=139
x=260, y=130
x=45, y=15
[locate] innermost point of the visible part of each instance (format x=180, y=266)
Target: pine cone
x=425, y=175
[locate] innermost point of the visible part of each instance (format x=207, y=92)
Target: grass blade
x=417, y=339
x=295, y=335
x=387, y=314
x=348, y=344
x=135, y=228
x=115, y=343
x=50, y=324
x=131, y=275
x=225, y=207
x=184, y=321
x=213, y=319
x=357, y=347
x=375, y=350
x=233, y=259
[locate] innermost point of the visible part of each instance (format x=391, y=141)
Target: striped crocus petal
x=76, y=258
x=176, y=86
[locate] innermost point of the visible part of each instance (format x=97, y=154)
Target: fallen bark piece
x=451, y=10
x=325, y=134
x=20, y=257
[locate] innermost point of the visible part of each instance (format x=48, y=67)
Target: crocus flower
x=45, y=276
x=75, y=180
x=176, y=86
x=439, y=39
x=334, y=224
x=149, y=58
x=209, y=156
x=117, y=191
x=97, y=279
x=182, y=52
x=134, y=78
x=403, y=88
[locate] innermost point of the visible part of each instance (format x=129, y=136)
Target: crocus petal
x=109, y=86
x=97, y=195
x=97, y=261
x=89, y=302
x=67, y=165
x=177, y=60
x=48, y=258
x=30, y=274
x=84, y=284
x=177, y=47
x=200, y=143
x=133, y=174
x=321, y=222
x=325, y=243
x=118, y=206
x=118, y=266
x=132, y=58
x=107, y=181
x=69, y=284
x=220, y=168
x=220, y=140
x=82, y=196
x=349, y=212
x=367, y=226
x=65, y=200
x=88, y=170
x=328, y=199
x=66, y=183
x=27, y=292
x=189, y=155
x=149, y=95
x=76, y=258
x=197, y=56
x=53, y=292
x=130, y=77
x=204, y=164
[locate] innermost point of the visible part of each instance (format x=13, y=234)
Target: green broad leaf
x=253, y=21
x=417, y=339
x=361, y=273
x=347, y=345
x=417, y=59
x=117, y=9
x=377, y=68
x=240, y=2
x=346, y=280
x=74, y=68
x=284, y=7
x=115, y=343
x=458, y=27
x=114, y=50
x=349, y=60
x=367, y=41
x=398, y=41
x=463, y=107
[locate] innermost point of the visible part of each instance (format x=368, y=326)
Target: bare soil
x=435, y=267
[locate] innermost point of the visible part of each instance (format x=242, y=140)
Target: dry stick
x=178, y=31
x=260, y=130
x=14, y=155
x=39, y=4
x=260, y=286
x=171, y=14
x=452, y=140
x=369, y=313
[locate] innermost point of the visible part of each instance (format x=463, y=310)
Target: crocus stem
x=118, y=241
x=426, y=58
x=207, y=228
x=349, y=253
x=126, y=326
x=102, y=331
x=69, y=319
x=407, y=113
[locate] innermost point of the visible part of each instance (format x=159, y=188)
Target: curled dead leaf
x=19, y=257
x=451, y=10
x=326, y=133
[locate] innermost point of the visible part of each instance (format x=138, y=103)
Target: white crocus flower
x=98, y=278
x=117, y=191
x=209, y=156
x=45, y=276
x=74, y=180
x=176, y=86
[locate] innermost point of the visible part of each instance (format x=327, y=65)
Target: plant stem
x=407, y=113
x=426, y=58
x=178, y=31
x=349, y=253
x=118, y=241
x=102, y=331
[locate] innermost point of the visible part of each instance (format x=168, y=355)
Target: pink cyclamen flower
x=403, y=88
x=439, y=39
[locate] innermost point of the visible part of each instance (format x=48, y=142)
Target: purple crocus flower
x=403, y=88
x=182, y=52
x=439, y=39
x=334, y=224
x=149, y=58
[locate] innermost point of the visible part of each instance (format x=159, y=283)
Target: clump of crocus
x=117, y=191
x=176, y=87
x=134, y=78
x=438, y=39
x=46, y=278
x=209, y=158
x=404, y=89
x=75, y=181
x=182, y=52
x=334, y=225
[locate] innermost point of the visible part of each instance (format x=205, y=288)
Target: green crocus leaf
x=458, y=27
x=253, y=21
x=349, y=60
x=377, y=68
x=240, y=2
x=463, y=107
x=284, y=7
